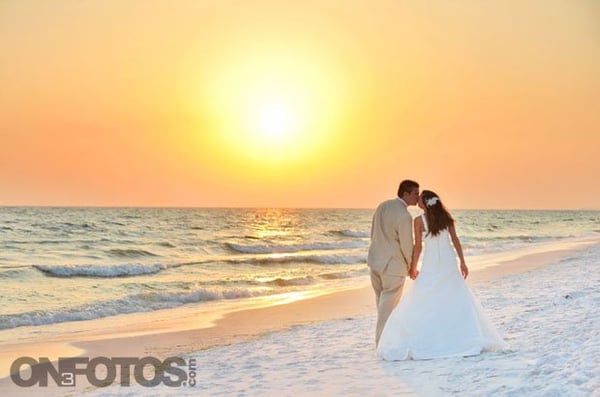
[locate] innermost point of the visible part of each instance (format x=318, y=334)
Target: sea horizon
x=283, y=208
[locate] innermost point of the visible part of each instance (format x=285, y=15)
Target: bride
x=439, y=316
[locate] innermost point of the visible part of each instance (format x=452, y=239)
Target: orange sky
x=314, y=103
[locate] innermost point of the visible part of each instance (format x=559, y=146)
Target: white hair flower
x=432, y=201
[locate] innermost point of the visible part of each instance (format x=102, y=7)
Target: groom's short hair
x=406, y=186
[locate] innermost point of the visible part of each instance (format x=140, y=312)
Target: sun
x=272, y=107
x=276, y=124
x=272, y=117
x=275, y=121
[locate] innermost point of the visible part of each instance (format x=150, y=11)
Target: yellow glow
x=274, y=106
x=275, y=121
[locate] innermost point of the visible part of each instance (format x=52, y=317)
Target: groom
x=390, y=251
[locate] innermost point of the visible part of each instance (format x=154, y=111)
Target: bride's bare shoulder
x=418, y=222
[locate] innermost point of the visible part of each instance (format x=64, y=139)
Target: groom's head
x=409, y=191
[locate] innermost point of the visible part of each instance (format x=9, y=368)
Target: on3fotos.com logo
x=103, y=371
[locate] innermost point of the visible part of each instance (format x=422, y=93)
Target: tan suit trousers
x=388, y=289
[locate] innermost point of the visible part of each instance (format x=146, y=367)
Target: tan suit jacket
x=391, y=238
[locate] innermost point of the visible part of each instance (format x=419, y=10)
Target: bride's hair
x=438, y=217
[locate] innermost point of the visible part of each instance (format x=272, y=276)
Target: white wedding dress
x=437, y=316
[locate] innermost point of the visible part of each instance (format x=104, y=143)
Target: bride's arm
x=413, y=272
x=463, y=266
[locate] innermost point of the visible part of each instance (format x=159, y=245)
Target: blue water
x=64, y=264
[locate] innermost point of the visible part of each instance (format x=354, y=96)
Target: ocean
x=74, y=264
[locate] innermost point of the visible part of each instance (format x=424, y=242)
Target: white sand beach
x=545, y=304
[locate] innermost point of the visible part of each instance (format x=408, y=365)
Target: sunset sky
x=312, y=103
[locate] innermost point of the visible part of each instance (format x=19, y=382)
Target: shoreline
x=242, y=325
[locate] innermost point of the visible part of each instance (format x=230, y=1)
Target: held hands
x=413, y=273
x=464, y=270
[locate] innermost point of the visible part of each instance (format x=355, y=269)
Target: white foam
x=135, y=303
x=282, y=248
x=355, y=233
x=335, y=259
x=286, y=282
x=120, y=270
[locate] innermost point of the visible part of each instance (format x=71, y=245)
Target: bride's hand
x=464, y=270
x=414, y=273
